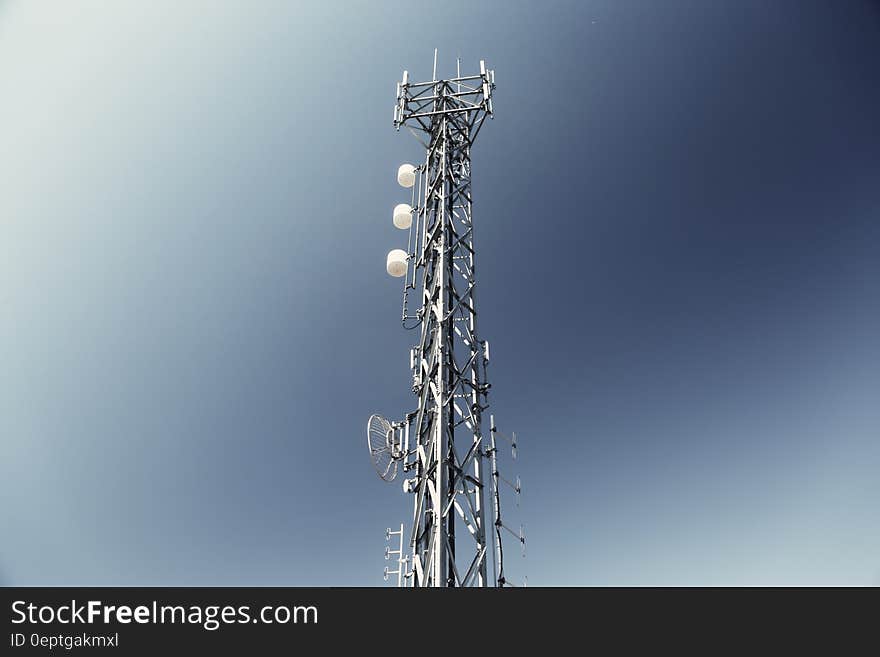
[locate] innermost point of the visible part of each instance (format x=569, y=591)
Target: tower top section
x=468, y=98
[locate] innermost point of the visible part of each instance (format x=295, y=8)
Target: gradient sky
x=677, y=213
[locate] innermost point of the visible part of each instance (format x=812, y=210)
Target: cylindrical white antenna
x=406, y=175
x=402, y=216
x=396, y=262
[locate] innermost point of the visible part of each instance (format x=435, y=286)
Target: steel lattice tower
x=441, y=445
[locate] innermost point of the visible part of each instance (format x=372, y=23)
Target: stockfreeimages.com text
x=210, y=617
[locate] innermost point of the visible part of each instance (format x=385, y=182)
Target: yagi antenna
x=516, y=486
x=511, y=439
x=397, y=555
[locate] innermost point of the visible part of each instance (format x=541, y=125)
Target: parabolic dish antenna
x=384, y=446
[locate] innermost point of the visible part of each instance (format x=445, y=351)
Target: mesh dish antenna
x=383, y=441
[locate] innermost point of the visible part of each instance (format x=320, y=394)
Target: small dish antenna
x=383, y=441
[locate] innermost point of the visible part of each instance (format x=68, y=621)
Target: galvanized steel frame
x=449, y=363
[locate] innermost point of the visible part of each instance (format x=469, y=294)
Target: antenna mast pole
x=449, y=371
x=443, y=454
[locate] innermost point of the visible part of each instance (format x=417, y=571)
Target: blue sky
x=676, y=215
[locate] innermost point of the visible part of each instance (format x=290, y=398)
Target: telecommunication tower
x=440, y=446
